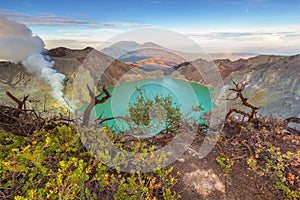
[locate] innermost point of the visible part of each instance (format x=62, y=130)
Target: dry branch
x=18, y=101
x=292, y=120
x=94, y=101
x=23, y=122
x=239, y=87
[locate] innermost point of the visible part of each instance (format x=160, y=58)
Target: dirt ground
x=205, y=179
x=240, y=183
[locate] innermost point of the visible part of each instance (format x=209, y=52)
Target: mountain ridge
x=123, y=48
x=273, y=80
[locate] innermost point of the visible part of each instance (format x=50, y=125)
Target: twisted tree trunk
x=94, y=101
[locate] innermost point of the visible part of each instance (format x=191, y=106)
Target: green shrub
x=170, y=113
x=56, y=165
x=225, y=163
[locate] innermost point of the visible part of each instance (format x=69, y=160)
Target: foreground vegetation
x=55, y=165
x=47, y=158
x=267, y=146
x=50, y=159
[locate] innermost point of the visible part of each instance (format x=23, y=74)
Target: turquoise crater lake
x=184, y=93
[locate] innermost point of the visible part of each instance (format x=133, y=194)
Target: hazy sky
x=256, y=26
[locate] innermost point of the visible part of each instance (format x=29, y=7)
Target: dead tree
x=239, y=87
x=16, y=120
x=23, y=122
x=20, y=103
x=94, y=101
x=295, y=120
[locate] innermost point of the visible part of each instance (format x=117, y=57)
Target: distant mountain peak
x=125, y=45
x=151, y=45
x=122, y=48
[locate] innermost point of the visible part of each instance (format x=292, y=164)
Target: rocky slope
x=273, y=82
x=69, y=61
x=81, y=68
x=15, y=79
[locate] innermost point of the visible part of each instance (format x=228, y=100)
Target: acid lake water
x=185, y=94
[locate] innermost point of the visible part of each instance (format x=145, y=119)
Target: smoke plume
x=18, y=44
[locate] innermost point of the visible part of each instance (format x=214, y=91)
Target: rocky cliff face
x=15, y=79
x=273, y=82
x=68, y=62
x=93, y=67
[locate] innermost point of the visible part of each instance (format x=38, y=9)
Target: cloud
x=79, y=38
x=275, y=40
x=245, y=35
x=271, y=40
x=71, y=43
x=17, y=44
x=17, y=41
x=55, y=20
x=269, y=37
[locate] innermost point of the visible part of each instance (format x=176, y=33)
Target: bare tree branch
x=18, y=101
x=94, y=101
x=292, y=120
x=23, y=122
x=239, y=87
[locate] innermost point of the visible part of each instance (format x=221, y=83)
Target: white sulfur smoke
x=18, y=44
x=17, y=41
x=37, y=64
